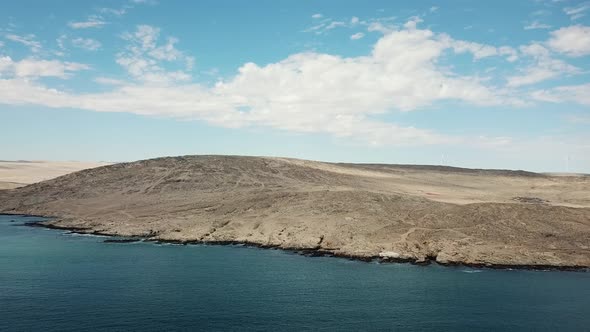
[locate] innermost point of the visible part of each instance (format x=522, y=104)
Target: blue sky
x=490, y=84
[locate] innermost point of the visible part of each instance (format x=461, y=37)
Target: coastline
x=309, y=252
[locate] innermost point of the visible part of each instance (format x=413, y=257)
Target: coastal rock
x=389, y=254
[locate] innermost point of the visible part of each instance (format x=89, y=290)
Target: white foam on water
x=471, y=271
x=82, y=234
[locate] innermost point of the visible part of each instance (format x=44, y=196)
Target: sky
x=483, y=84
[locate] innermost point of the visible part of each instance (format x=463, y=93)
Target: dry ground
x=450, y=215
x=14, y=174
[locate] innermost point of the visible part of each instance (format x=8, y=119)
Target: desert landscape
x=403, y=213
x=14, y=174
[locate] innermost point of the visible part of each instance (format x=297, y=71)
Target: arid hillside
x=396, y=212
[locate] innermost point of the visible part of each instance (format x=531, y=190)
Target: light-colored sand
x=14, y=174
x=419, y=213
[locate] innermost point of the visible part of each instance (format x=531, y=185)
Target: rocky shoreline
x=418, y=215
x=308, y=252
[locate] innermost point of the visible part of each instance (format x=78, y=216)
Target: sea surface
x=53, y=281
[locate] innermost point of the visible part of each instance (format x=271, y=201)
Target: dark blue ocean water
x=52, y=281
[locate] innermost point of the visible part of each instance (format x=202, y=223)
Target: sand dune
x=397, y=212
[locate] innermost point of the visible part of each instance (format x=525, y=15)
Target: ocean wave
x=82, y=234
x=471, y=271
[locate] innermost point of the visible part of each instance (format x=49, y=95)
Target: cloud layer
x=311, y=92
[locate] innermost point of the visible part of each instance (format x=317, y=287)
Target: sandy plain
x=14, y=174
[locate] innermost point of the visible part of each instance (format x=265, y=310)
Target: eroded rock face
x=396, y=213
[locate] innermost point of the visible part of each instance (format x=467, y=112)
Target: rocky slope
x=414, y=213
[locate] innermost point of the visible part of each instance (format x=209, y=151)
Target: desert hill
x=398, y=212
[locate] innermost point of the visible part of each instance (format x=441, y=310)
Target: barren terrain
x=14, y=174
x=395, y=212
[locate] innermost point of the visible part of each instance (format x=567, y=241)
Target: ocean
x=54, y=281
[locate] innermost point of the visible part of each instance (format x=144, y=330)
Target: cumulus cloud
x=86, y=43
x=573, y=40
x=306, y=92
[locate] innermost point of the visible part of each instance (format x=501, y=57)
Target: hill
x=396, y=212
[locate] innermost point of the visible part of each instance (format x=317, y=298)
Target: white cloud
x=28, y=40
x=167, y=52
x=578, y=11
x=61, y=40
x=306, y=92
x=537, y=25
x=143, y=57
x=145, y=2
x=571, y=93
x=335, y=24
x=316, y=28
x=544, y=67
x=573, y=40
x=536, y=74
x=535, y=50
x=510, y=53
x=114, y=11
x=480, y=51
x=326, y=24
x=433, y=9
x=413, y=22
x=92, y=22
x=33, y=68
x=86, y=43
x=109, y=81
x=357, y=36
x=383, y=25
x=317, y=16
